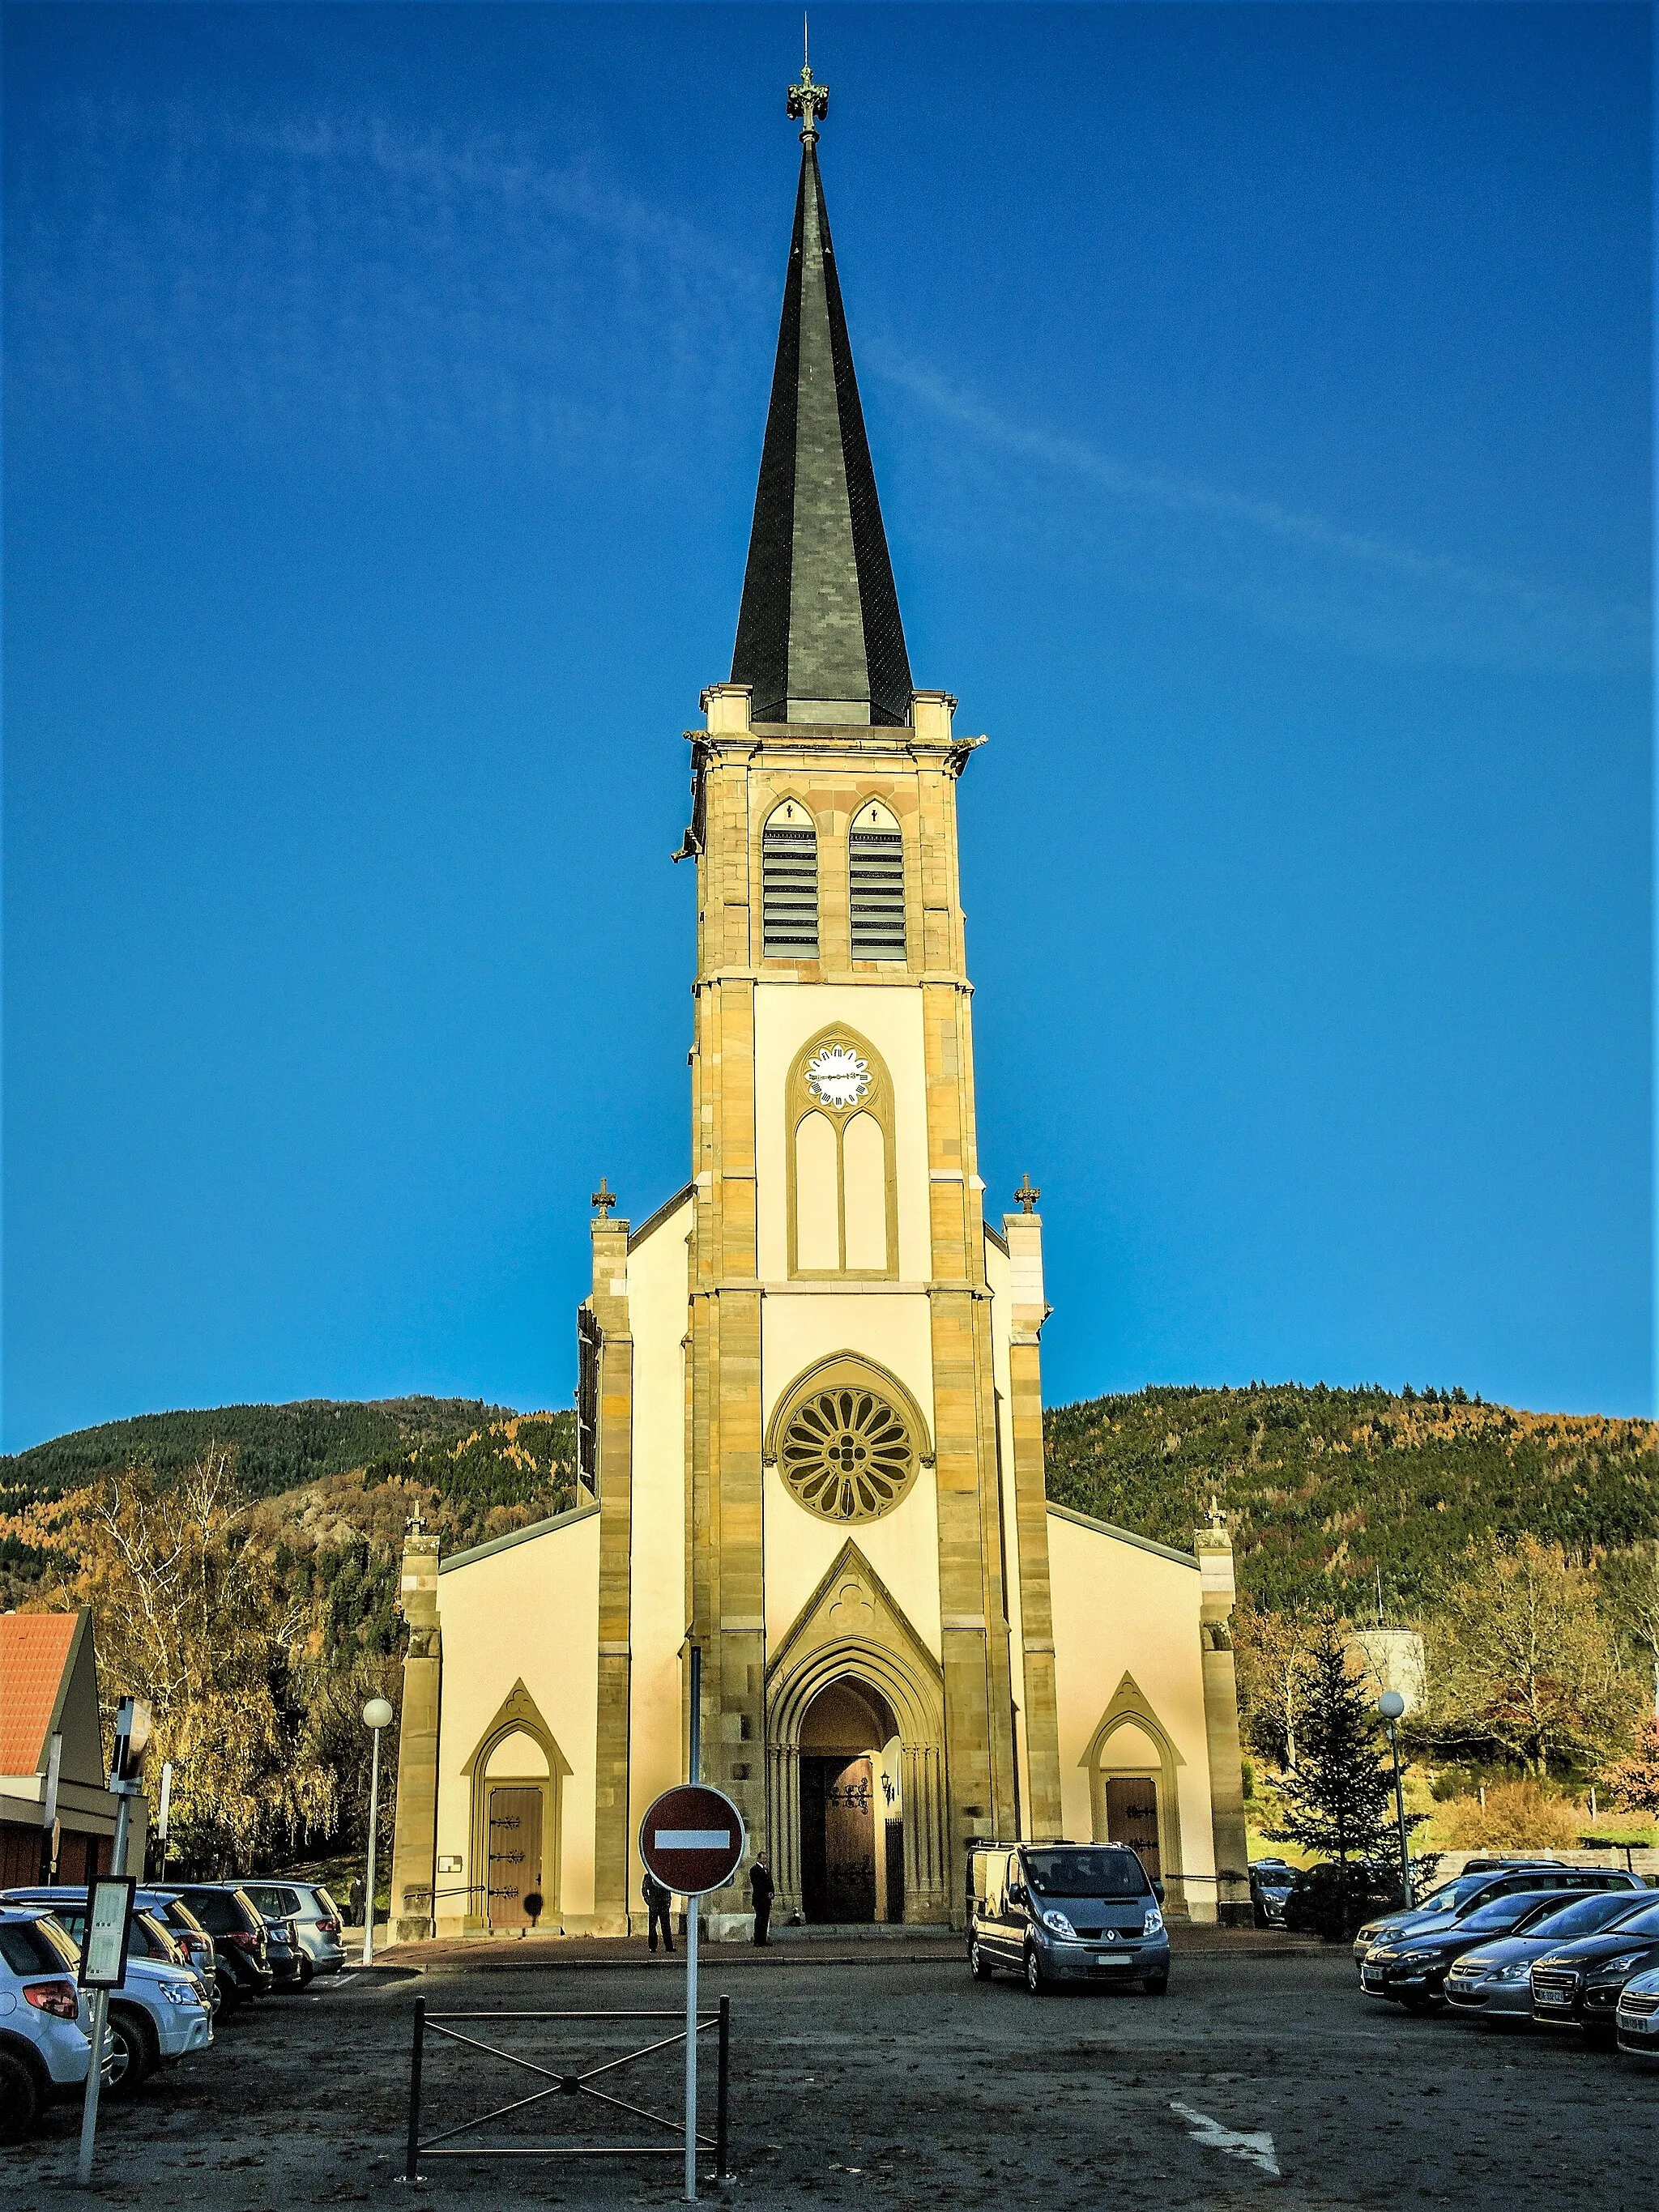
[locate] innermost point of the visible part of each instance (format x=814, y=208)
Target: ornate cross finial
x=417, y=1521
x=1027, y=1195
x=602, y=1200
x=809, y=103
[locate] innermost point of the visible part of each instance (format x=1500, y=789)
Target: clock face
x=838, y=1076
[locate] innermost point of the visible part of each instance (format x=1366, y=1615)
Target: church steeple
x=819, y=637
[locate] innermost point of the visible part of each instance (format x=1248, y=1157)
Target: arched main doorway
x=851, y=1811
x=855, y=1760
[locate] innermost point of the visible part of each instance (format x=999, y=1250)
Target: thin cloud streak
x=1293, y=570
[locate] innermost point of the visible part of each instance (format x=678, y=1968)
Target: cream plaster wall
x=659, y=1274
x=529, y=1611
x=891, y=1016
x=1121, y=1610
x=892, y=1328
x=903, y=1547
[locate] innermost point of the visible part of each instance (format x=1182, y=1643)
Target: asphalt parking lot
x=1261, y=2075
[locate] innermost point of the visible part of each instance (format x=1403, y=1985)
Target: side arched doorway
x=516, y=1773
x=1135, y=1788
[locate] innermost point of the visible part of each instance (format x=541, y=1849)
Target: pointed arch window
x=843, y=1188
x=789, y=884
x=875, y=859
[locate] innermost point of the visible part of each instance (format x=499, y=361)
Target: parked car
x=188, y=1933
x=290, y=1969
x=1637, y=2016
x=317, y=1918
x=1467, y=1893
x=1271, y=1882
x=160, y=2012
x=1413, y=1969
x=1579, y=1985
x=1057, y=1912
x=46, y=2022
x=239, y=1937
x=1494, y=1981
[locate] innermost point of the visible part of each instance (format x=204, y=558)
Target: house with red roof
x=48, y=1693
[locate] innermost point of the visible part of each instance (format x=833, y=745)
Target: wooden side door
x=515, y=1854
x=849, y=1843
x=1131, y=1818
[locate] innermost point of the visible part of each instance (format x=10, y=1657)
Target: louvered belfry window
x=876, y=870
x=789, y=885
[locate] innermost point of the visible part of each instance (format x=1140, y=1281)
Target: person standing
x=657, y=1902
x=760, y=1889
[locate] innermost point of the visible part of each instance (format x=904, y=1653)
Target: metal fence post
x=412, y=2160
x=720, y=2104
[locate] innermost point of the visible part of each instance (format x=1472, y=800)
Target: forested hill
x=340, y=1477
x=1325, y=1486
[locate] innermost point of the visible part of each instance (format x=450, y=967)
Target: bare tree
x=185, y=1615
x=1274, y=1660
x=1524, y=1661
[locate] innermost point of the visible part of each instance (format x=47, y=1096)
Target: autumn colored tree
x=1521, y=1660
x=1634, y=1782
x=185, y=1615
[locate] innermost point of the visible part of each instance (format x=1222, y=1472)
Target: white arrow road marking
x=1255, y=2149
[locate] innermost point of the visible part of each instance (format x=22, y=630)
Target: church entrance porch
x=850, y=1797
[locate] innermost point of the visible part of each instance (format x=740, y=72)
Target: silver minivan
x=1063, y=1912
x=316, y=1916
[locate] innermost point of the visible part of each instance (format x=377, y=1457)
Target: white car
x=1637, y=2016
x=162, y=2010
x=46, y=2022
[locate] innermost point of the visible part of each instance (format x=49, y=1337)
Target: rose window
x=837, y=1075
x=846, y=1454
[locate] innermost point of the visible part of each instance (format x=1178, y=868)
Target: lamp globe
x=1391, y=1704
x=377, y=1714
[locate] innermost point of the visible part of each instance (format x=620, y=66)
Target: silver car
x=316, y=1917
x=1638, y=2017
x=1494, y=1981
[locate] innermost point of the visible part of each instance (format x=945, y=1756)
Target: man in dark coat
x=657, y=1902
x=760, y=1888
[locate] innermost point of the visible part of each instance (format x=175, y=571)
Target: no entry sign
x=692, y=1839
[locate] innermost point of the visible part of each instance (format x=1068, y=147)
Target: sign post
x=692, y=1841
x=109, y=1912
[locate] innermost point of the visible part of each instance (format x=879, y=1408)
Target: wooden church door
x=1132, y=1817
x=515, y=1855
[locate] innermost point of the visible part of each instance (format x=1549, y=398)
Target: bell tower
x=838, y=1217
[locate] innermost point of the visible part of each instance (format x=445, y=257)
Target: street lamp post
x=377, y=1715
x=1391, y=1705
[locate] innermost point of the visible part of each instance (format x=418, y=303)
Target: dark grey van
x=1065, y=1912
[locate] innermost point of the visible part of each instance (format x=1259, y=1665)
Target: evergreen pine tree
x=1338, y=1802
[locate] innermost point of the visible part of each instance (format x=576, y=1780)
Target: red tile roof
x=34, y=1649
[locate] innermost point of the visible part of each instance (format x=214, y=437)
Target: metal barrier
x=567, y=2085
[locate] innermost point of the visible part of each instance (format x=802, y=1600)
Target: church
x=810, y=1397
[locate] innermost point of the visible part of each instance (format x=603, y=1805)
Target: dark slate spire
x=819, y=638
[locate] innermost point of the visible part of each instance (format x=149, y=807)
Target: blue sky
x=1260, y=401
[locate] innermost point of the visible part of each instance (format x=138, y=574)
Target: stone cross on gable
x=602, y=1200
x=1027, y=1195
